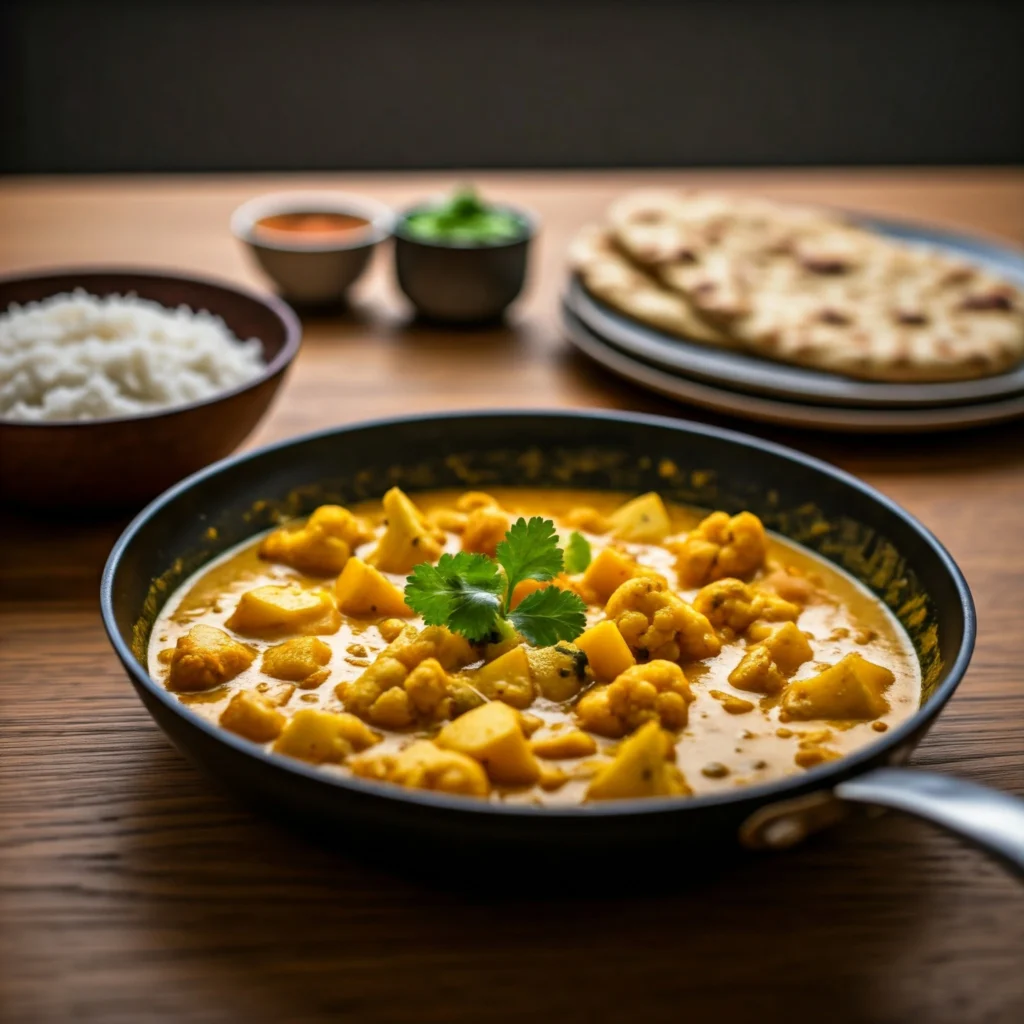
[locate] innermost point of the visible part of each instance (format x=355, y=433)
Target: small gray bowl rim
x=381, y=217
x=280, y=308
x=529, y=221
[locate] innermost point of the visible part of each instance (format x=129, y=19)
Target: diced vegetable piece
x=722, y=546
x=757, y=672
x=607, y=572
x=657, y=690
x=789, y=648
x=639, y=769
x=206, y=657
x=507, y=678
x=274, y=609
x=253, y=717
x=607, y=653
x=423, y=765
x=320, y=547
x=485, y=529
x=363, y=590
x=300, y=660
x=851, y=690
x=732, y=704
x=408, y=538
x=643, y=520
x=324, y=736
x=558, y=671
x=565, y=744
x=492, y=734
x=526, y=587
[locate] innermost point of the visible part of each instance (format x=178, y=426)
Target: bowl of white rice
x=116, y=384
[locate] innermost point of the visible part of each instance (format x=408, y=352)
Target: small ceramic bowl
x=121, y=462
x=460, y=282
x=312, y=271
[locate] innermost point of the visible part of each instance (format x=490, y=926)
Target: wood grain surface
x=130, y=890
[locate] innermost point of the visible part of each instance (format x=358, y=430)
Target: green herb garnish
x=577, y=553
x=464, y=218
x=470, y=593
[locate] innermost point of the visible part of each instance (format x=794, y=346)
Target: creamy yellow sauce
x=716, y=751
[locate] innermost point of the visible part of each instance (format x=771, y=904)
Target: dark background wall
x=219, y=85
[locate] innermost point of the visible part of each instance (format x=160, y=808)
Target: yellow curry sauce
x=710, y=654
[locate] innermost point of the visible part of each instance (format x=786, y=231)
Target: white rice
x=79, y=357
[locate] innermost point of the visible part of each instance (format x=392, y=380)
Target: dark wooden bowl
x=124, y=461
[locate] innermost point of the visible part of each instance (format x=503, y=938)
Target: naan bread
x=802, y=285
x=608, y=275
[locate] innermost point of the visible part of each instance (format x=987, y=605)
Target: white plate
x=791, y=414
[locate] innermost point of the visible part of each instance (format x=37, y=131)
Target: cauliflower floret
x=586, y=518
x=409, y=681
x=485, y=529
x=206, y=657
x=320, y=547
x=657, y=623
x=732, y=604
x=657, y=691
x=423, y=765
x=791, y=585
x=721, y=546
x=757, y=673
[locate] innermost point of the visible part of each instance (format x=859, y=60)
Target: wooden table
x=132, y=891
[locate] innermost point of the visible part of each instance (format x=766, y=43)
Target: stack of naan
x=800, y=285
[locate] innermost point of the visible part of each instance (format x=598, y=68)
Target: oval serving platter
x=746, y=372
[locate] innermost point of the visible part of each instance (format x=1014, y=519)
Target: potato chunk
x=643, y=520
x=639, y=769
x=757, y=672
x=206, y=657
x=850, y=690
x=607, y=653
x=657, y=623
x=607, y=572
x=323, y=736
x=558, y=671
x=568, y=743
x=408, y=539
x=493, y=735
x=508, y=678
x=320, y=547
x=362, y=590
x=274, y=609
x=789, y=648
x=423, y=765
x=485, y=529
x=657, y=691
x=721, y=546
x=253, y=717
x=299, y=660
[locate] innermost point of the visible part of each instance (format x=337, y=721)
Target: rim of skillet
x=276, y=305
x=820, y=777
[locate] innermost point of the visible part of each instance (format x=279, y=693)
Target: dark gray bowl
x=456, y=282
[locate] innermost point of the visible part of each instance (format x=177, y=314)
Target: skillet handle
x=988, y=818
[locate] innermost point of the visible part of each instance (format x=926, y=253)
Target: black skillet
x=799, y=497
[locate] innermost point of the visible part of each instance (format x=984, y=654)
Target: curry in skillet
x=537, y=646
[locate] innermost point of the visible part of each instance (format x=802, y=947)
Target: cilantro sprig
x=471, y=593
x=577, y=553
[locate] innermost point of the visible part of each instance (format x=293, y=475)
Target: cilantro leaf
x=529, y=551
x=549, y=615
x=577, y=553
x=462, y=592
